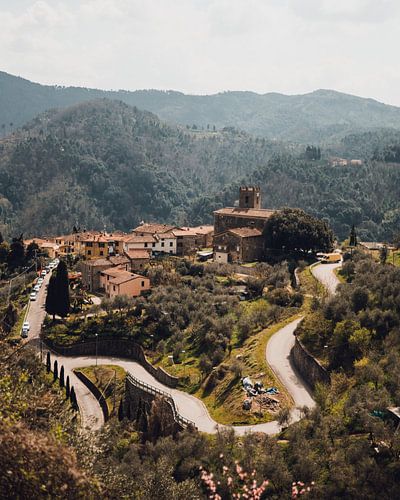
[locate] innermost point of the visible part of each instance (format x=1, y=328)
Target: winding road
x=277, y=355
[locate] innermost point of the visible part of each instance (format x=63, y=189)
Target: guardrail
x=184, y=422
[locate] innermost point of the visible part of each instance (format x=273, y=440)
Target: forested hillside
x=104, y=163
x=323, y=115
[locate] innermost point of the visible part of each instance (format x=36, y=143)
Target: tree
x=292, y=229
x=57, y=300
x=383, y=254
x=4, y=251
x=62, y=382
x=31, y=251
x=67, y=388
x=48, y=362
x=55, y=371
x=72, y=398
x=353, y=237
x=16, y=256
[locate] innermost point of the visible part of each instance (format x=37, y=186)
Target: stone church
x=239, y=231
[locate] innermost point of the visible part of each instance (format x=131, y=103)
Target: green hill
x=315, y=117
x=104, y=163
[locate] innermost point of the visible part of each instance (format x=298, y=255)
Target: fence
x=149, y=389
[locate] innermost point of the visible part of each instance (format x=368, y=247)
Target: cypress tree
x=67, y=388
x=55, y=371
x=48, y=362
x=72, y=397
x=57, y=300
x=353, y=237
x=62, y=376
x=62, y=290
x=121, y=411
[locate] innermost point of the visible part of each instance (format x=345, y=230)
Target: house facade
x=118, y=281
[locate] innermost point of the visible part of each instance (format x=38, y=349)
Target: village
x=112, y=263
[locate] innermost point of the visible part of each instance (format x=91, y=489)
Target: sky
x=206, y=46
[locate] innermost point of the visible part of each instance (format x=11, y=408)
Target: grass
x=225, y=401
x=394, y=258
x=15, y=334
x=310, y=286
x=110, y=380
x=339, y=274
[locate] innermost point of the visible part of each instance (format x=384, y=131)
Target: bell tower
x=250, y=197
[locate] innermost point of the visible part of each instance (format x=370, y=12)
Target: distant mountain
x=104, y=163
x=317, y=117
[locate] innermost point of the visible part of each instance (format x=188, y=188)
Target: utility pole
x=97, y=335
x=115, y=389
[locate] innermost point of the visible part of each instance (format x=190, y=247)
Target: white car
x=36, y=288
x=32, y=296
x=25, y=330
x=40, y=281
x=43, y=273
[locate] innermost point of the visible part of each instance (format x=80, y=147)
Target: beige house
x=47, y=246
x=118, y=281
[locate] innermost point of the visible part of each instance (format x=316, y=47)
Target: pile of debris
x=264, y=398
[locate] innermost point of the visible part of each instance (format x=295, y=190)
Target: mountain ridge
x=320, y=116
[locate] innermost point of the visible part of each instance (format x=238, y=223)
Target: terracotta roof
x=185, y=232
x=118, y=260
x=114, y=271
x=169, y=235
x=98, y=262
x=137, y=253
x=203, y=229
x=124, y=277
x=141, y=239
x=257, y=213
x=245, y=232
x=153, y=228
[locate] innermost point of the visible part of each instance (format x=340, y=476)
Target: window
x=145, y=245
x=101, y=245
x=89, y=244
x=162, y=244
x=101, y=252
x=114, y=288
x=108, y=277
x=89, y=252
x=171, y=243
x=153, y=245
x=246, y=200
x=142, y=284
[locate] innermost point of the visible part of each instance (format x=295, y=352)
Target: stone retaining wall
x=309, y=367
x=119, y=348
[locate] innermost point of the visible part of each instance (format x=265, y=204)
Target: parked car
x=25, y=330
x=33, y=296
x=36, y=288
x=40, y=281
x=43, y=273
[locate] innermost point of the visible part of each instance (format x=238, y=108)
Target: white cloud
x=204, y=46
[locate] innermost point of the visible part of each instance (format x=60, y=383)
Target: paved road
x=91, y=414
x=325, y=274
x=277, y=355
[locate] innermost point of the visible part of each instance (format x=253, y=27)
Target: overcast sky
x=206, y=46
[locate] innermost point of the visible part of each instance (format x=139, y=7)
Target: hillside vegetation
x=313, y=117
x=104, y=163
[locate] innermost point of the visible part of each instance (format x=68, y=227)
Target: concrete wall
x=118, y=348
x=310, y=368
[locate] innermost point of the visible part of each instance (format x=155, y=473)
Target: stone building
x=239, y=231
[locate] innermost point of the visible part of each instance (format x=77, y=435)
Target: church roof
x=256, y=213
x=245, y=232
